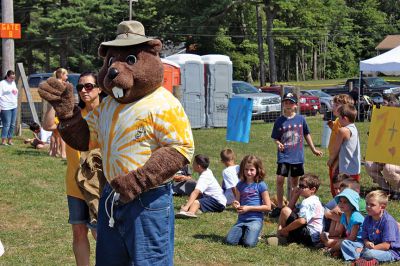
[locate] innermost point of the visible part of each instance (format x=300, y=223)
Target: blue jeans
x=8, y=118
x=143, y=232
x=349, y=252
x=245, y=233
x=348, y=249
x=380, y=255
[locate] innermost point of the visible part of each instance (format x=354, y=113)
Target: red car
x=309, y=105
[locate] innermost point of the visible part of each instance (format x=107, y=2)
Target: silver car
x=325, y=99
x=266, y=106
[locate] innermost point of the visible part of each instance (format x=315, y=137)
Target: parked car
x=324, y=98
x=309, y=104
x=35, y=79
x=371, y=86
x=266, y=106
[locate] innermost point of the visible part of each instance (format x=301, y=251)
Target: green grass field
x=33, y=207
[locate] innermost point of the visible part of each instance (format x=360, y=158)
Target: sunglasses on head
x=87, y=86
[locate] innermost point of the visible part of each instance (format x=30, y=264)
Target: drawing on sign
x=393, y=130
x=382, y=128
x=384, y=140
x=392, y=151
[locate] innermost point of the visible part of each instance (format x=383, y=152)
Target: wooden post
x=25, y=85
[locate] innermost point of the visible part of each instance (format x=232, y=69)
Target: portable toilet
x=192, y=87
x=172, y=75
x=218, y=84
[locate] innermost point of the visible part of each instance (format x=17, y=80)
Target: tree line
x=299, y=39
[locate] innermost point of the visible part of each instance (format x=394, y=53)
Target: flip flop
x=185, y=215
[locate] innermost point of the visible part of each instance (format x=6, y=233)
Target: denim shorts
x=78, y=211
x=142, y=231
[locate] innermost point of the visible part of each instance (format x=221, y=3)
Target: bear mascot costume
x=144, y=136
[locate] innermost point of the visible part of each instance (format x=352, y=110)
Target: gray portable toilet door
x=193, y=93
x=220, y=90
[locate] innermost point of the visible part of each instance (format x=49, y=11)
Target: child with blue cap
x=351, y=222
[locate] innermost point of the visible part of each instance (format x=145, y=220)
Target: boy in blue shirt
x=289, y=133
x=380, y=235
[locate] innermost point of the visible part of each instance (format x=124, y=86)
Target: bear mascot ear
x=102, y=51
x=156, y=46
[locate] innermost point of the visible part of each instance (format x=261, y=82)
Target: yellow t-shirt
x=128, y=134
x=335, y=129
x=73, y=164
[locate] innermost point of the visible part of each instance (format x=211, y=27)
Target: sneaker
x=185, y=215
x=276, y=240
x=4, y=144
x=275, y=213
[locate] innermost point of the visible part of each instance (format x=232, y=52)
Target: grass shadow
x=31, y=152
x=212, y=237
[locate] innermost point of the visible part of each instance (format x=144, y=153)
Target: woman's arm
x=48, y=122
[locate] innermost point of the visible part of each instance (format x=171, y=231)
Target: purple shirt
x=383, y=230
x=250, y=195
x=291, y=132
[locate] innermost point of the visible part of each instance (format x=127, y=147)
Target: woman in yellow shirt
x=89, y=94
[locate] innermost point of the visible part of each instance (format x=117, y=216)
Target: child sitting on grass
x=305, y=225
x=212, y=198
x=229, y=175
x=41, y=137
x=251, y=203
x=380, y=235
x=350, y=222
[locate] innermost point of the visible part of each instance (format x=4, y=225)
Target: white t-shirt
x=230, y=180
x=45, y=135
x=312, y=210
x=208, y=185
x=8, y=95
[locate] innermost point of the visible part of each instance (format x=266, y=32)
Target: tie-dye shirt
x=128, y=134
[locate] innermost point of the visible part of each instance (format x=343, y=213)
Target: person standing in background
x=8, y=107
x=89, y=93
x=57, y=145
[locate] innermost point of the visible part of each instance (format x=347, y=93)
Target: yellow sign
x=10, y=30
x=384, y=136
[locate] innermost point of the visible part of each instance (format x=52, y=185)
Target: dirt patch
x=14, y=220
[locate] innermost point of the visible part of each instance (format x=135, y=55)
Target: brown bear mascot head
x=132, y=67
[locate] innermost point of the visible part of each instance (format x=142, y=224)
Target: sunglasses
x=88, y=86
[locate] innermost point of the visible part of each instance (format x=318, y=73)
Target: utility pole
x=130, y=8
x=8, y=57
x=260, y=47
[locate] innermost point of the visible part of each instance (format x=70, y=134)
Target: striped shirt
x=128, y=134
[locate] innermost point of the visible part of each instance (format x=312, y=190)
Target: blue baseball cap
x=290, y=96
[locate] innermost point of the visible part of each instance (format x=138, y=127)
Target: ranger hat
x=128, y=33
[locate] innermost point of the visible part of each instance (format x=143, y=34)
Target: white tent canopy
x=387, y=63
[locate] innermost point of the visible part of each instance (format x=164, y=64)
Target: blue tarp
x=239, y=119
